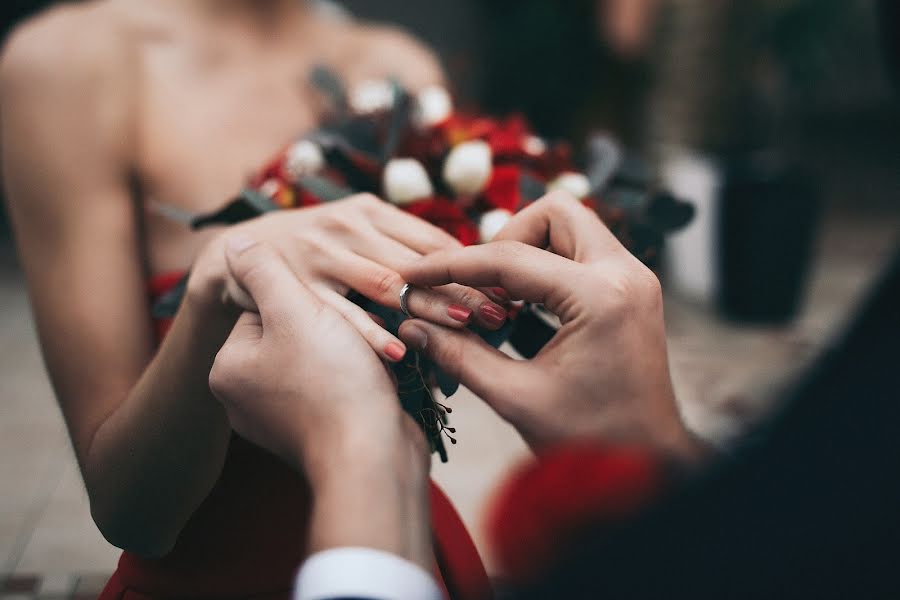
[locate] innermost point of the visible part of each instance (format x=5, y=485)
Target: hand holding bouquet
x=465, y=173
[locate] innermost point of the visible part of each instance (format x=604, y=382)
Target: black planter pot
x=768, y=219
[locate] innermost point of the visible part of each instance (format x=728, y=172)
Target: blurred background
x=777, y=118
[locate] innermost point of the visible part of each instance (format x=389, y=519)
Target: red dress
x=247, y=538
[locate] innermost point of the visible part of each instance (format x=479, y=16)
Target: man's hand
x=299, y=380
x=605, y=373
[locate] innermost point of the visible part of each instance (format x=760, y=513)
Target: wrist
x=372, y=495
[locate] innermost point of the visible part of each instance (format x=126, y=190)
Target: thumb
x=264, y=279
x=466, y=357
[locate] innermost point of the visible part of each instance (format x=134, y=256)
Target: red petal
x=503, y=189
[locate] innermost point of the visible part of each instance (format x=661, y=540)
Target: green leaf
x=398, y=122
x=330, y=84
x=249, y=204
x=324, y=189
x=167, y=305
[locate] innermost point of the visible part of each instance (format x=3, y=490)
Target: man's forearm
x=376, y=499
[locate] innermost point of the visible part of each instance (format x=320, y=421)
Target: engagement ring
x=404, y=299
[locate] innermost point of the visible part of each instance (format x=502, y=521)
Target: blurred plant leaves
x=328, y=83
x=250, y=203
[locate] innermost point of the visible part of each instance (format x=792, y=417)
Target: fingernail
x=415, y=336
x=395, y=351
x=238, y=243
x=500, y=293
x=492, y=314
x=459, y=313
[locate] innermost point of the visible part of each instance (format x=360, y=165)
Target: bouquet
x=463, y=172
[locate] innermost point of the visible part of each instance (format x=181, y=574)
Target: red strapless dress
x=247, y=538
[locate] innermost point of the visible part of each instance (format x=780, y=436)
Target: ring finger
x=462, y=304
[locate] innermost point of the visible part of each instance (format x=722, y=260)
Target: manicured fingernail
x=415, y=336
x=395, y=351
x=500, y=293
x=459, y=313
x=492, y=314
x=238, y=243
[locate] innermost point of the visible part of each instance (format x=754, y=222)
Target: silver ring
x=404, y=299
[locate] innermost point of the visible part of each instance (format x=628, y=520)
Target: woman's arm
x=149, y=437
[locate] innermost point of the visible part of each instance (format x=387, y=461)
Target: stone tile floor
x=725, y=375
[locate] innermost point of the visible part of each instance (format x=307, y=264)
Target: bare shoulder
x=67, y=48
x=383, y=50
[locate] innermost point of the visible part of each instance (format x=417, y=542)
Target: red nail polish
x=493, y=315
x=395, y=351
x=459, y=313
x=500, y=293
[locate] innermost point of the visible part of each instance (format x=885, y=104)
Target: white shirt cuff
x=363, y=573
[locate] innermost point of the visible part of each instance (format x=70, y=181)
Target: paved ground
x=725, y=375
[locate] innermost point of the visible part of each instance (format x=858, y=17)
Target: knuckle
x=651, y=290
x=619, y=296
x=252, y=267
x=632, y=291
x=366, y=202
x=253, y=273
x=559, y=201
x=384, y=282
x=469, y=297
x=309, y=245
x=337, y=222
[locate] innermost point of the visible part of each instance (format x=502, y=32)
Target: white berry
x=372, y=96
x=302, y=159
x=406, y=181
x=433, y=106
x=269, y=188
x=492, y=222
x=534, y=145
x=468, y=167
x=576, y=184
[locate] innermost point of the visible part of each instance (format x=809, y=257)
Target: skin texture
x=105, y=106
x=603, y=376
x=605, y=373
x=275, y=376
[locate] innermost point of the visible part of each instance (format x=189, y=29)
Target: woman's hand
x=297, y=379
x=353, y=244
x=605, y=373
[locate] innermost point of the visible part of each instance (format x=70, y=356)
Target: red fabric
x=246, y=540
x=548, y=502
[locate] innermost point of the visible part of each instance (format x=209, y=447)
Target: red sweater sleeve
x=546, y=503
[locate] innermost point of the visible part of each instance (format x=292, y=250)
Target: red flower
x=503, y=189
x=448, y=216
x=272, y=170
x=547, y=504
x=507, y=140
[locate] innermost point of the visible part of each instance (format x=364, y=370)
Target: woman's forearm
x=156, y=457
